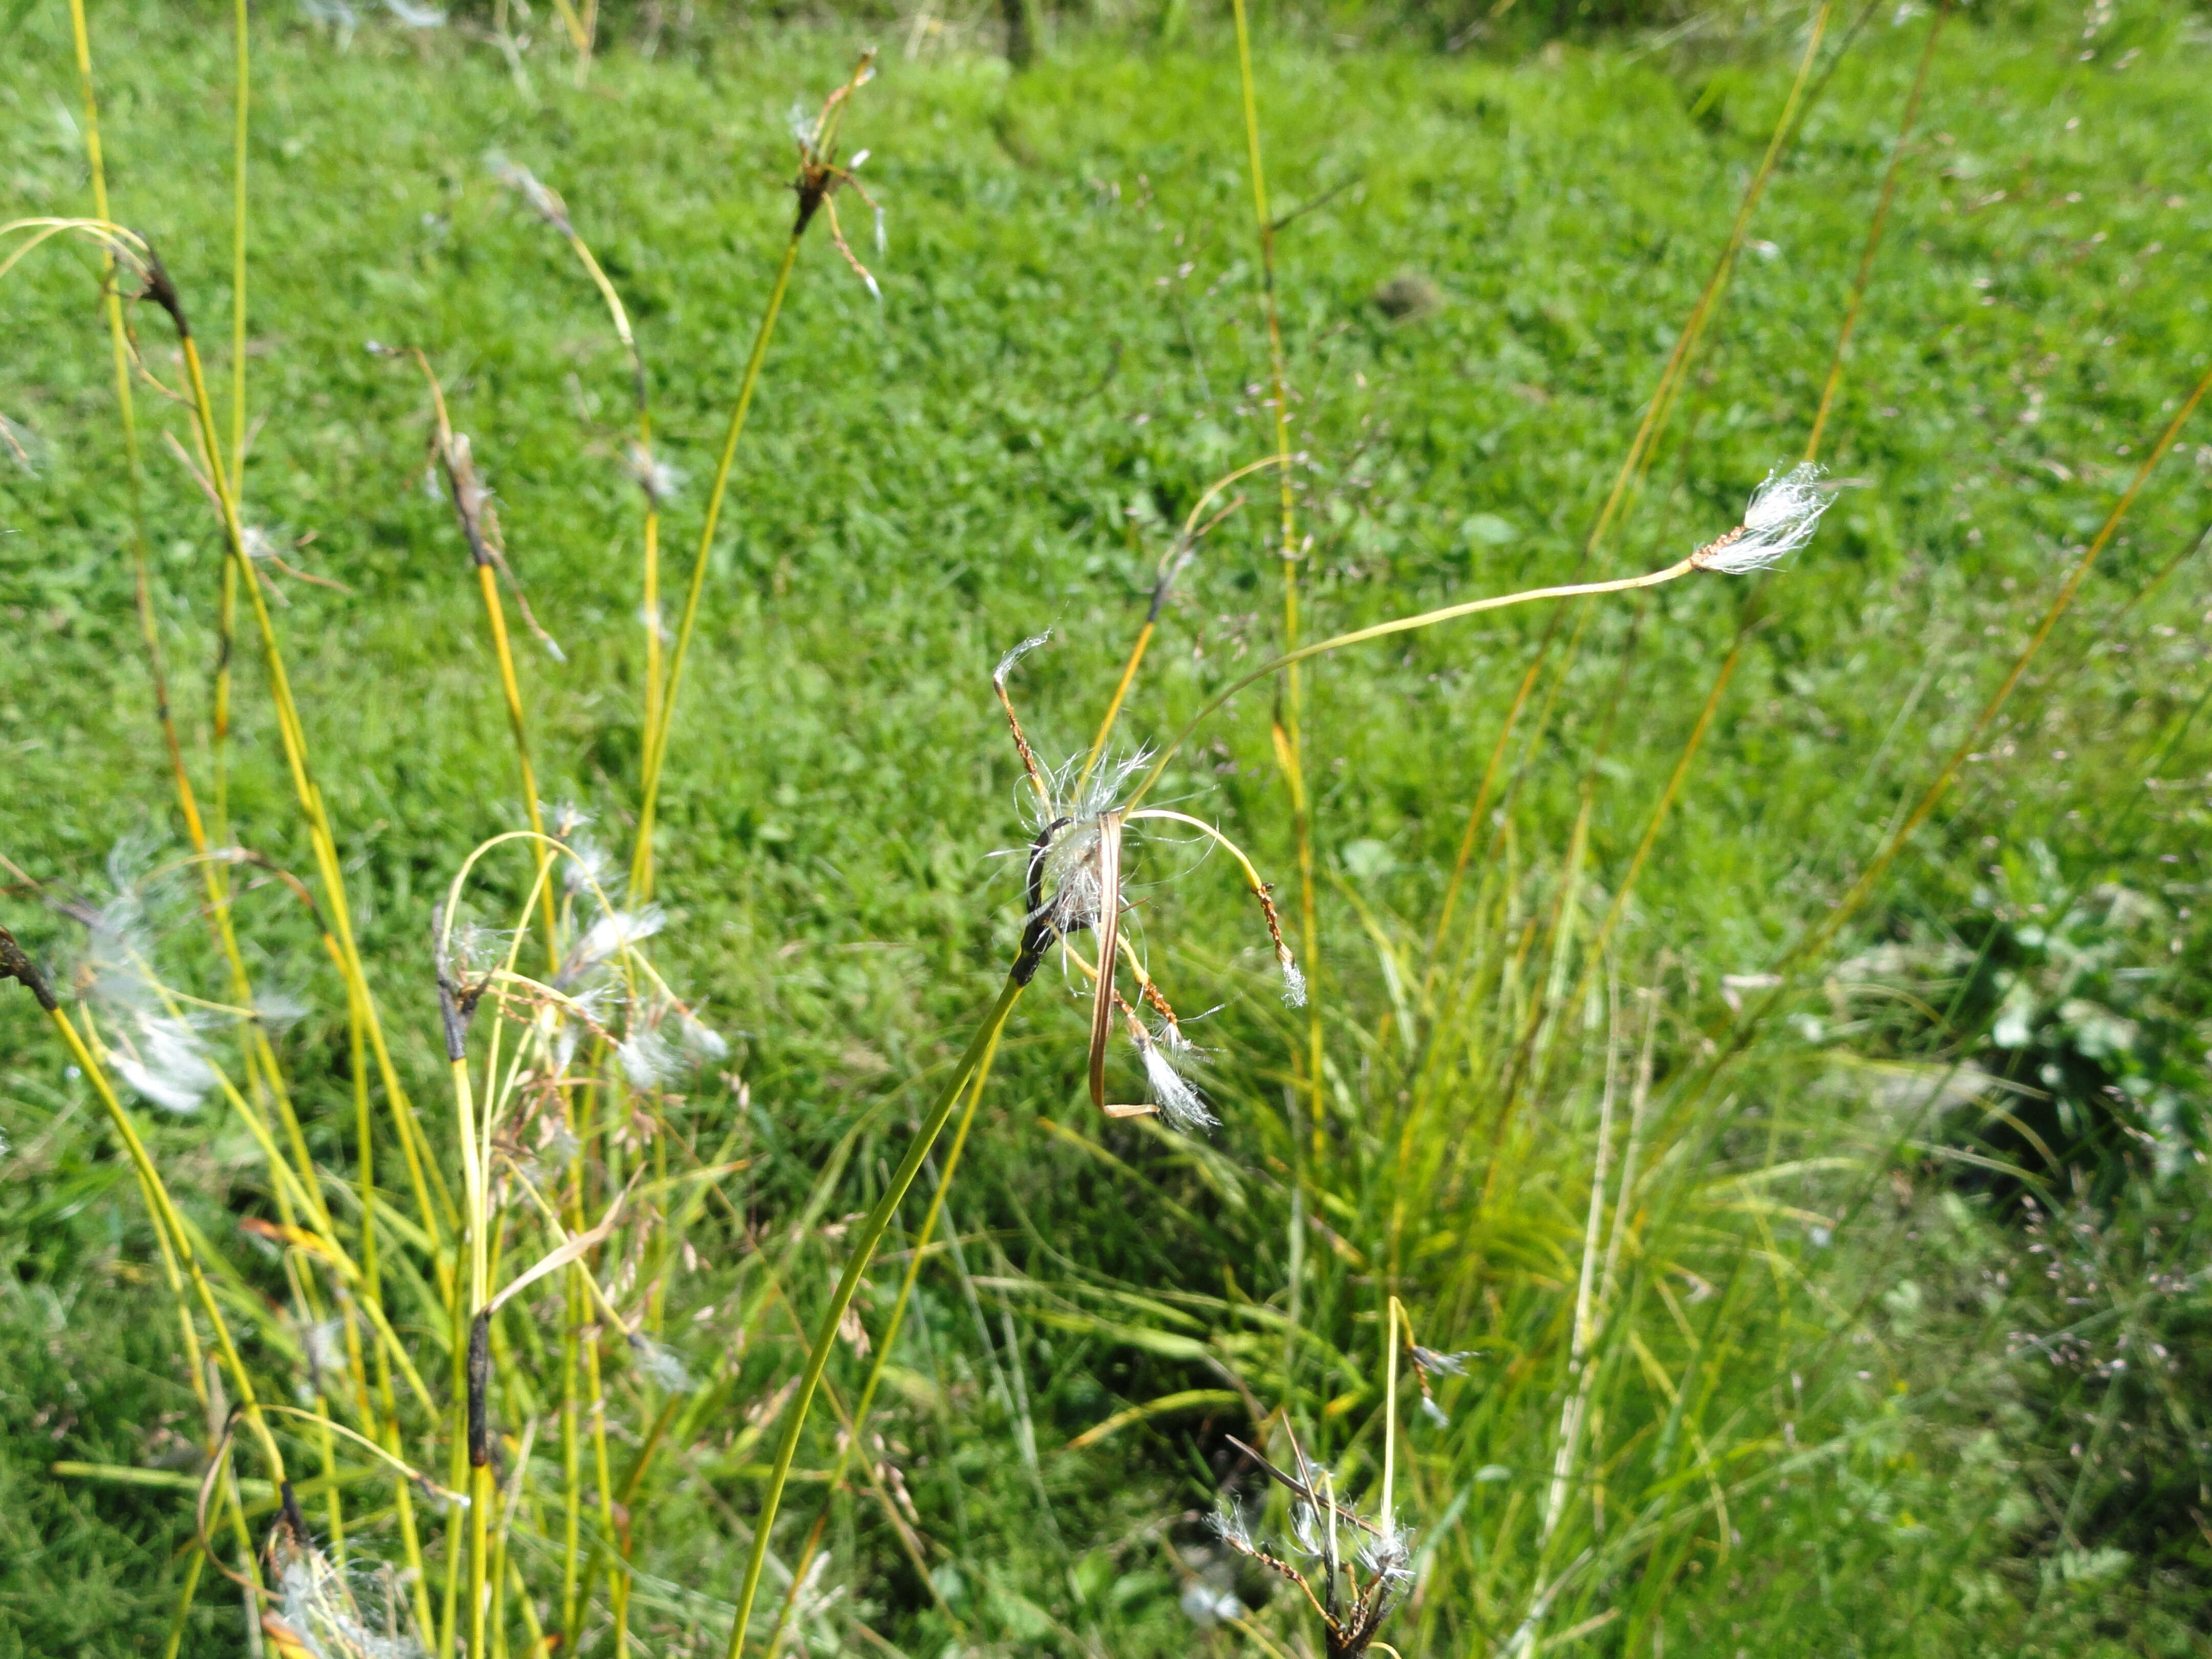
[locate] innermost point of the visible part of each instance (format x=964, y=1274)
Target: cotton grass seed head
x=1783, y=512
x=658, y=480
x=591, y=869
x=701, y=1040
x=1076, y=884
x=356, y=1611
x=660, y=1364
x=1442, y=1364
x=544, y=200
x=164, y=1061
x=615, y=932
x=1178, y=1102
x=1388, y=1554
x=1357, y=1567
x=647, y=1059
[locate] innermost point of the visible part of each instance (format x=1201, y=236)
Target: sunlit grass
x=1666, y=1422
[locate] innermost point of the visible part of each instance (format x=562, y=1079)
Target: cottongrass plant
x=1075, y=886
x=513, y=1094
x=1357, y=1568
x=469, y=1360
x=519, y=1097
x=634, y=1038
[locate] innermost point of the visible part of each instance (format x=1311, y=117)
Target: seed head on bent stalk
x=1780, y=519
x=1353, y=1595
x=1074, y=884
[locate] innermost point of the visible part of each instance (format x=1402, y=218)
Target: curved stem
x=1169, y=562
x=1383, y=630
x=167, y=1220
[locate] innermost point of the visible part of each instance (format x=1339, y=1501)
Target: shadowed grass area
x=1831, y=1394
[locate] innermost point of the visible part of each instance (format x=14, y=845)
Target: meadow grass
x=1791, y=1396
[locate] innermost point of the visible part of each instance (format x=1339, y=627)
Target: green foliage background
x=2006, y=1400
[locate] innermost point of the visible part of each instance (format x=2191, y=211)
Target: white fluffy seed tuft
x=1006, y=663
x=661, y=1364
x=1179, y=1102
x=617, y=930
x=1784, y=511
x=702, y=1040
x=166, y=1063
x=647, y=1059
x=544, y=201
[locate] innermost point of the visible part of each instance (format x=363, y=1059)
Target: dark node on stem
x=461, y=486
x=479, y=1378
x=1160, y=597
x=458, y=1004
x=17, y=965
x=813, y=187
x=294, y=1522
x=163, y=292
x=1038, y=931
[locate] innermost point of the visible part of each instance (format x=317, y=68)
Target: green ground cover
x=1900, y=1364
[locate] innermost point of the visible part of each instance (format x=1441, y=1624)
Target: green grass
x=1068, y=352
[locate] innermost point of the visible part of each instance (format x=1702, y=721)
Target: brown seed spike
x=1109, y=929
x=163, y=292
x=17, y=965
x=479, y=1379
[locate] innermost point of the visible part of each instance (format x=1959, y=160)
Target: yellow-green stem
x=238, y=569
x=238, y=255
x=1383, y=630
x=183, y=1614
x=864, y=1239
x=1390, y=1411
x=1290, y=746
x=226, y=644
x=166, y=1218
x=495, y=615
x=884, y=1341
x=656, y=738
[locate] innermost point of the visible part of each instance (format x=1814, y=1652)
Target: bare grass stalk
x=815, y=184
x=1289, y=728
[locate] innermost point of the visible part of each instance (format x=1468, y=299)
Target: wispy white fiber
x=1783, y=512
x=647, y=1059
x=1178, y=1102
x=1006, y=663
x=165, y=1063
x=618, y=930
